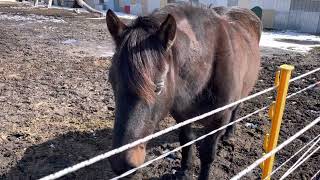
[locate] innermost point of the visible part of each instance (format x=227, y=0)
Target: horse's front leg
x=186, y=135
x=208, y=146
x=231, y=129
x=186, y=170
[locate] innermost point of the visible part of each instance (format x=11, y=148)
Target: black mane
x=141, y=53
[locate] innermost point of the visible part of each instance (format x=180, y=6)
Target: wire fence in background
x=294, y=155
x=304, y=89
x=148, y=138
x=304, y=75
x=272, y=152
x=315, y=175
x=206, y=135
x=302, y=160
x=188, y=144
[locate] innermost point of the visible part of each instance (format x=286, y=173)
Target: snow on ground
x=286, y=40
x=119, y=14
x=289, y=40
x=78, y=10
x=125, y=16
x=32, y=18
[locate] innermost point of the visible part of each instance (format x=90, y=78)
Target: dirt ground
x=57, y=109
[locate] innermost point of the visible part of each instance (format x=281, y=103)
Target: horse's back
x=213, y=43
x=242, y=28
x=242, y=17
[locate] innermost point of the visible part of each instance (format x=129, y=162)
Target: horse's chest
x=192, y=105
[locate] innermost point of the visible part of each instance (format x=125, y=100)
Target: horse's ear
x=167, y=31
x=115, y=26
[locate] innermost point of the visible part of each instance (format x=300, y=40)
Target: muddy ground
x=57, y=109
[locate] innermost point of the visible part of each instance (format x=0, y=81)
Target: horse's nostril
x=124, y=169
x=128, y=160
x=130, y=166
x=120, y=166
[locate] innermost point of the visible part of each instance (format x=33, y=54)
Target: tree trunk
x=88, y=8
x=36, y=2
x=49, y=3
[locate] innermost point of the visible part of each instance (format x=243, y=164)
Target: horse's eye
x=159, y=87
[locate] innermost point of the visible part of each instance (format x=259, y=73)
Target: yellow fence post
x=276, y=112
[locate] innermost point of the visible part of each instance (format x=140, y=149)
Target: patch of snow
x=125, y=16
x=22, y=7
x=32, y=18
x=120, y=15
x=289, y=40
x=79, y=10
x=71, y=41
x=107, y=54
x=91, y=48
x=251, y=125
x=52, y=146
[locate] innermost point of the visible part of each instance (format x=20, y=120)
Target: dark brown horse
x=182, y=60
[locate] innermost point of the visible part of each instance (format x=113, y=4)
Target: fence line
x=301, y=158
x=206, y=135
x=304, y=75
x=301, y=149
x=269, y=154
x=188, y=144
x=290, y=171
x=159, y=133
x=304, y=89
x=315, y=175
x=148, y=138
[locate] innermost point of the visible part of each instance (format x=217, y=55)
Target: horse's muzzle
x=132, y=158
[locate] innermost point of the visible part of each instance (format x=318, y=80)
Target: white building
x=299, y=15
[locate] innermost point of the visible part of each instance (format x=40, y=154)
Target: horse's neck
x=196, y=55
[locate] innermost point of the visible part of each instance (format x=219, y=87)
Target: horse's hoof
x=179, y=175
x=183, y=175
x=227, y=137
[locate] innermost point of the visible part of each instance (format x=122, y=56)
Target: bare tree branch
x=88, y=8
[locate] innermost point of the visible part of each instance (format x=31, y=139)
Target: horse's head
x=142, y=80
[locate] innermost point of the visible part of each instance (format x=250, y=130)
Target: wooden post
x=276, y=112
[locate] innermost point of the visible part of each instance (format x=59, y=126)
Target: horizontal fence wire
x=188, y=144
x=315, y=175
x=148, y=138
x=278, y=148
x=294, y=155
x=206, y=135
x=159, y=133
x=304, y=89
x=301, y=161
x=304, y=75
x=301, y=157
x=299, y=164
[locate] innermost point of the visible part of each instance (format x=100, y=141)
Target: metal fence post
x=276, y=112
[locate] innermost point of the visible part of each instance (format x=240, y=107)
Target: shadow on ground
x=67, y=150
